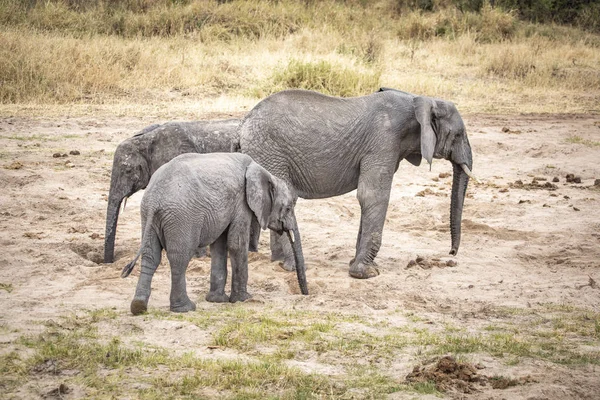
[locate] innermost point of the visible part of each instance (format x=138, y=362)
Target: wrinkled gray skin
x=198, y=200
x=138, y=157
x=325, y=146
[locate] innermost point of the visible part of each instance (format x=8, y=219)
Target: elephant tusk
x=292, y=238
x=469, y=173
x=124, y=202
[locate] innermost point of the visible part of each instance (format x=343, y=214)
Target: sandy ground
x=522, y=245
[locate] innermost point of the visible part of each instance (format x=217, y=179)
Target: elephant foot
x=288, y=265
x=239, y=296
x=139, y=306
x=216, y=297
x=184, y=306
x=373, y=263
x=362, y=271
x=277, y=256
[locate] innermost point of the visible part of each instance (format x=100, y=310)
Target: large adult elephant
x=138, y=157
x=326, y=146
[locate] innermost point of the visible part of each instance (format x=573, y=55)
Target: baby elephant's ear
x=259, y=192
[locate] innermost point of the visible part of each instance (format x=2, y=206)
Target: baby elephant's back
x=213, y=178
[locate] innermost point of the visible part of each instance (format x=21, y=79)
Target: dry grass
x=61, y=55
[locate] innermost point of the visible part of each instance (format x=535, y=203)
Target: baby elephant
x=197, y=200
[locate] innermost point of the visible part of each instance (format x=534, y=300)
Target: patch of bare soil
x=524, y=245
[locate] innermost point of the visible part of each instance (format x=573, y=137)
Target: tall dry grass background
x=186, y=57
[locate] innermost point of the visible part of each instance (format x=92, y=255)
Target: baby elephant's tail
x=129, y=267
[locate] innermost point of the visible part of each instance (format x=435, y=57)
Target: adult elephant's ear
x=424, y=110
x=259, y=193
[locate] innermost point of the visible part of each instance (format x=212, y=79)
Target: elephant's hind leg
x=218, y=270
x=151, y=255
x=237, y=244
x=180, y=302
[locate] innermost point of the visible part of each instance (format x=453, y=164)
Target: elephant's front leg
x=218, y=270
x=180, y=302
x=374, y=187
x=281, y=250
x=237, y=243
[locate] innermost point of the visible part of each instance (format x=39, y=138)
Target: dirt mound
x=450, y=375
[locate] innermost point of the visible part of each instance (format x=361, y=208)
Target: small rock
x=420, y=259
x=570, y=177
x=435, y=179
x=471, y=286
x=14, y=165
x=597, y=182
x=577, y=179
x=77, y=229
x=546, y=205
x=95, y=236
x=74, y=152
x=539, y=178
x=444, y=174
x=56, y=155
x=451, y=263
x=69, y=164
x=57, y=393
x=505, y=129
x=95, y=257
x=524, y=201
x=503, y=190
x=575, y=208
x=411, y=264
x=424, y=192
x=555, y=179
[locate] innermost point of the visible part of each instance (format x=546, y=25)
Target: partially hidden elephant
x=138, y=157
x=325, y=146
x=197, y=200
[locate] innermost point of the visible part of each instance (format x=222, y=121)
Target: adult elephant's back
x=308, y=139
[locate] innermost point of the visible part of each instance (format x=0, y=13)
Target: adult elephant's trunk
x=112, y=216
x=299, y=258
x=459, y=188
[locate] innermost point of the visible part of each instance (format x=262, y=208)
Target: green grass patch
x=41, y=138
x=105, y=365
x=359, y=350
x=8, y=287
x=575, y=139
x=424, y=388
